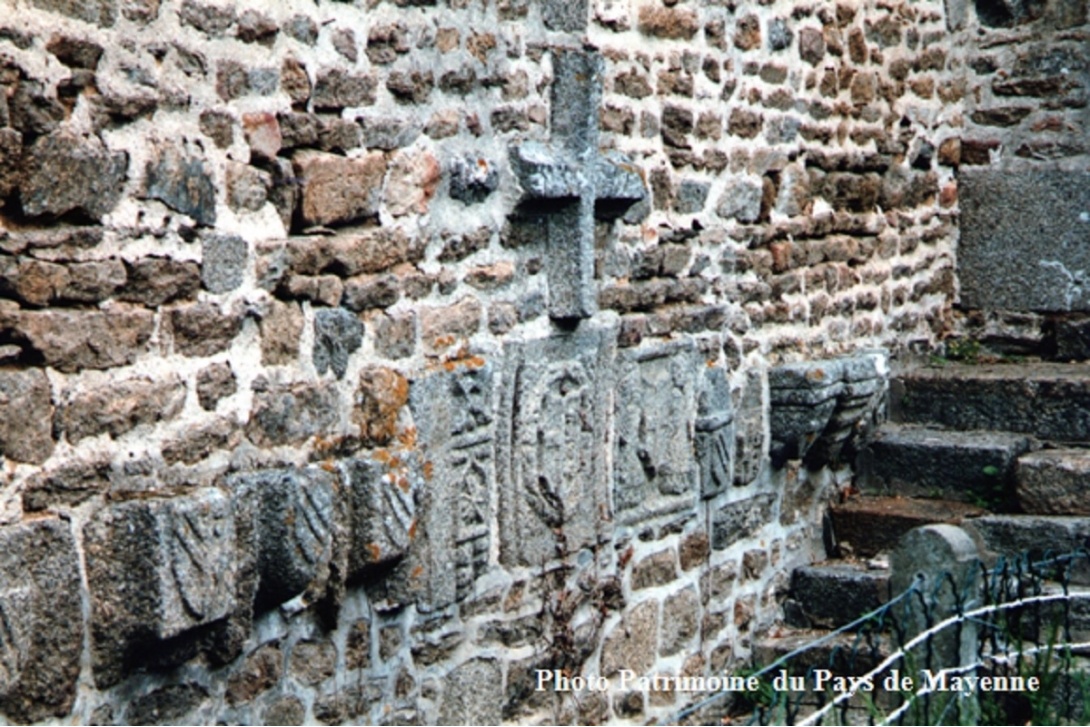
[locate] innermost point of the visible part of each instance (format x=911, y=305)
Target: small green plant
x=993, y=493
x=965, y=350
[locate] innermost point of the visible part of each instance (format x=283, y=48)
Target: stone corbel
x=817, y=406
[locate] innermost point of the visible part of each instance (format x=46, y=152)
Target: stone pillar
x=943, y=561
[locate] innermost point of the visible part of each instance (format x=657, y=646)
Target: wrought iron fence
x=1011, y=645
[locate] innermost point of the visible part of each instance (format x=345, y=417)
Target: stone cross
x=567, y=183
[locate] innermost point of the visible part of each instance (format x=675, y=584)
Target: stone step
x=845, y=654
x=866, y=526
x=796, y=690
x=1050, y=401
x=830, y=595
x=1006, y=538
x=1067, y=620
x=913, y=461
x=1054, y=482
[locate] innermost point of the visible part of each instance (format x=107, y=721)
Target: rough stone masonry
x=358, y=359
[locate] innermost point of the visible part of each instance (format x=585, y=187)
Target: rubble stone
x=26, y=433
x=338, y=189
x=74, y=340
x=66, y=173
x=120, y=407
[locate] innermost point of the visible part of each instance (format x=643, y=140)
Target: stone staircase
x=1002, y=450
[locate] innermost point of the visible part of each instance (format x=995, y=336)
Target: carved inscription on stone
x=654, y=468
x=551, y=446
x=714, y=433
x=453, y=411
x=295, y=511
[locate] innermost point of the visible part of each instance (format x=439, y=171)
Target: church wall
x=353, y=373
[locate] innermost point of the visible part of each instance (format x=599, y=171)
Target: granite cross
x=567, y=183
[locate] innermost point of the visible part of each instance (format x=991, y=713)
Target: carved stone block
x=382, y=510
x=655, y=407
x=715, y=433
x=751, y=430
x=566, y=183
x=803, y=398
x=859, y=405
x=551, y=446
x=816, y=405
x=41, y=621
x=453, y=411
x=295, y=513
x=159, y=568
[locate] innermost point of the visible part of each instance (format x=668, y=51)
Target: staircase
x=1002, y=450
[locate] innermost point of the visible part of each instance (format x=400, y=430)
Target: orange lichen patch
x=429, y=470
x=462, y=358
x=407, y=437
x=381, y=396
x=403, y=483
x=376, y=552
x=325, y=445
x=328, y=466
x=443, y=341
x=412, y=530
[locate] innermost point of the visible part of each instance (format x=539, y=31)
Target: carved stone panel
x=41, y=631
x=750, y=430
x=715, y=433
x=159, y=568
x=453, y=411
x=382, y=510
x=197, y=540
x=655, y=407
x=295, y=518
x=551, y=446
x=857, y=407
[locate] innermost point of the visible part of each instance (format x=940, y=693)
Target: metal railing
x=1021, y=620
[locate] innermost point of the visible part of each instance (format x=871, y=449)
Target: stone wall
x=1025, y=178
x=360, y=359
